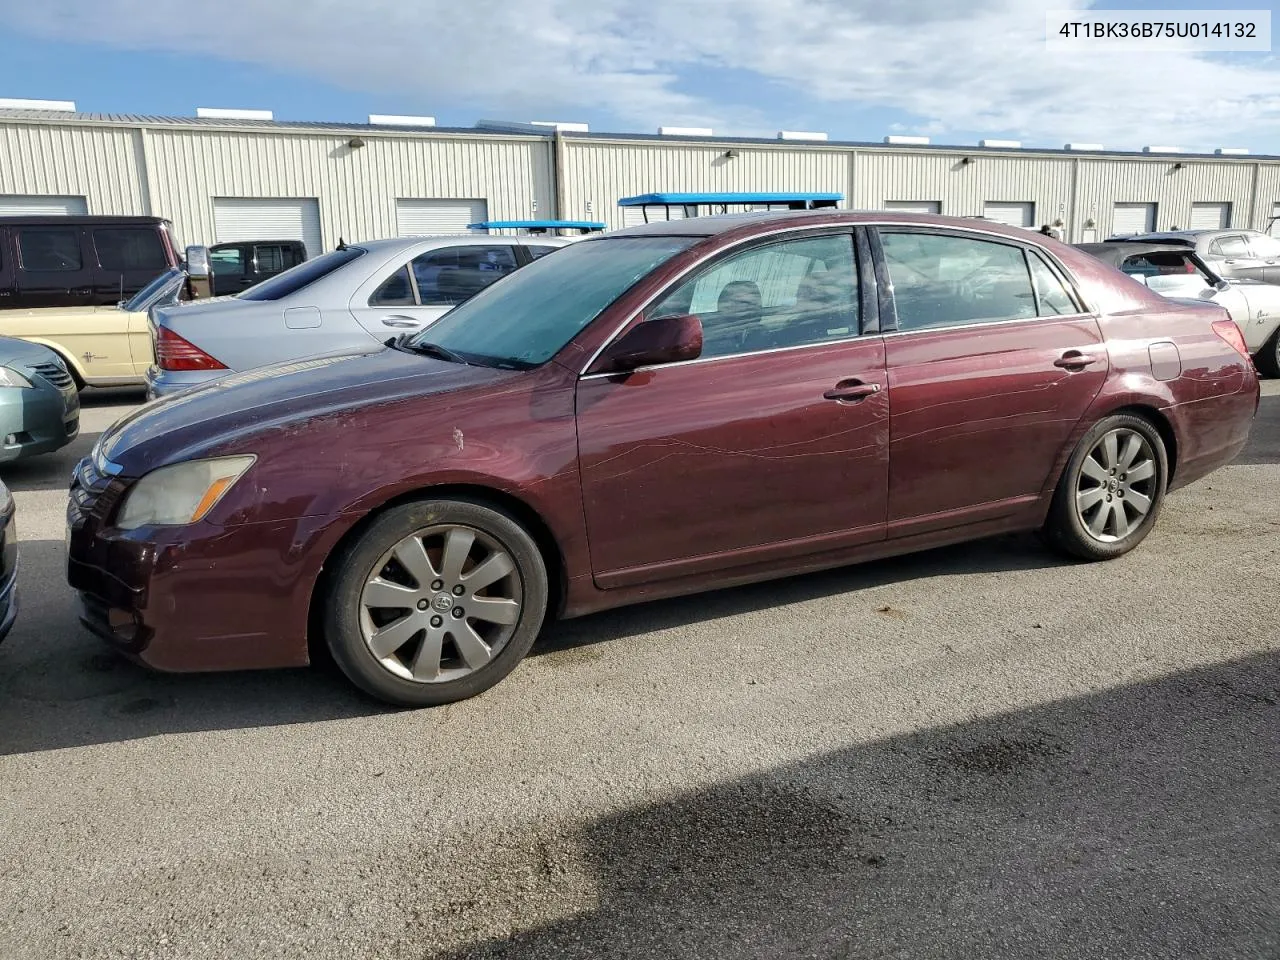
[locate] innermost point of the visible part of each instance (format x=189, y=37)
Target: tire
x=395, y=617
x=1267, y=359
x=1097, y=515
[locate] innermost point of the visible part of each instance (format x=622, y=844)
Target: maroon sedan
x=662, y=410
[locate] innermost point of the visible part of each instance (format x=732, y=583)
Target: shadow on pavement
x=1138, y=822
x=62, y=687
x=1264, y=438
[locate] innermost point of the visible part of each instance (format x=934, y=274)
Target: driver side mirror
x=664, y=340
x=199, y=273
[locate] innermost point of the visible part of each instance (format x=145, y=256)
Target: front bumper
x=163, y=383
x=36, y=420
x=184, y=599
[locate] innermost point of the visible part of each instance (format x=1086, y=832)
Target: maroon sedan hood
x=204, y=420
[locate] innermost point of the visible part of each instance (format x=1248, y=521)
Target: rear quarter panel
x=1208, y=406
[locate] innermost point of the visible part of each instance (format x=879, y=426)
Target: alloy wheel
x=441, y=604
x=1116, y=485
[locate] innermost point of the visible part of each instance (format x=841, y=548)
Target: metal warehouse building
x=230, y=178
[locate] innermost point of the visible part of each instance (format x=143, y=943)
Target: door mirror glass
x=199, y=272
x=664, y=340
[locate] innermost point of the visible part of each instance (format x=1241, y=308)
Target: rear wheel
x=1268, y=358
x=1111, y=490
x=435, y=602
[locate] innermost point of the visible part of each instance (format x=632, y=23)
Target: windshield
x=529, y=315
x=303, y=275
x=163, y=288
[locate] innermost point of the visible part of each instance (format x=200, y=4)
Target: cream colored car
x=101, y=346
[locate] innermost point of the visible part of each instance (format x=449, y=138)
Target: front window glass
x=1265, y=248
x=456, y=274
x=782, y=295
x=942, y=281
x=129, y=248
x=528, y=317
x=227, y=262
x=303, y=275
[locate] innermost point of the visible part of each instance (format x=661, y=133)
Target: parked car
x=63, y=279
x=8, y=562
x=39, y=406
x=1235, y=254
x=661, y=410
x=347, y=299
x=239, y=266
x=81, y=261
x=1178, y=271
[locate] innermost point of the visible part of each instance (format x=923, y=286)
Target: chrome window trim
x=782, y=232
x=729, y=356
x=973, y=325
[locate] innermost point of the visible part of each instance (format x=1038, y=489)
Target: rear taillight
x=177, y=353
x=1229, y=332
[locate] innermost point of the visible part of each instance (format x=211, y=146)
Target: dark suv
x=57, y=261
x=238, y=266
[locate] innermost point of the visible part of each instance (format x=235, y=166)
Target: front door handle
x=399, y=322
x=851, y=391
x=1074, y=360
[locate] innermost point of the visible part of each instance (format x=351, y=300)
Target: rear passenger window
x=943, y=281
x=52, y=249
x=1052, y=297
x=129, y=248
x=228, y=262
x=454, y=274
x=536, y=252
x=396, y=291
x=1229, y=247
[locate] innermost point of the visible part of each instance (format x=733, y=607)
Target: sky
x=954, y=70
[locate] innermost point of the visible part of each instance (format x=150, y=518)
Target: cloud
x=980, y=66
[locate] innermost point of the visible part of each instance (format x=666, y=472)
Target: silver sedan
x=342, y=300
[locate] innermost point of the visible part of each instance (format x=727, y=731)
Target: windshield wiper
x=425, y=348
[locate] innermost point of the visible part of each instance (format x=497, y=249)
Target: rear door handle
x=1073, y=359
x=851, y=391
x=399, y=322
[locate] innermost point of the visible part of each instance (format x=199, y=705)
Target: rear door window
x=942, y=281
x=452, y=275
x=396, y=291
x=1229, y=247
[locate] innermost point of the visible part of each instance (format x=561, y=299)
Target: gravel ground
x=978, y=752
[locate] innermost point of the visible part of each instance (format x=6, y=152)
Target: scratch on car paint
x=459, y=439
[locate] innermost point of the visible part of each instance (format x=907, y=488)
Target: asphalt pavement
x=978, y=752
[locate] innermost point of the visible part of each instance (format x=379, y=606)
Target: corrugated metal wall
x=101, y=164
x=357, y=188
x=963, y=188
x=597, y=174
x=144, y=165
x=1103, y=183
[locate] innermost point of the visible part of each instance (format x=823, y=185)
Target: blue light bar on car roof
x=536, y=225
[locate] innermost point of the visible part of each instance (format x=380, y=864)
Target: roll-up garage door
x=1130, y=218
x=1210, y=216
x=243, y=218
x=424, y=218
x=42, y=206
x=1012, y=214
x=914, y=206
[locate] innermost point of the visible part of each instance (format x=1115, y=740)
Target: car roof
x=450, y=240
x=79, y=220
x=1115, y=253
x=764, y=221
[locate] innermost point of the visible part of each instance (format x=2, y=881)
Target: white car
x=351, y=298
x=1177, y=271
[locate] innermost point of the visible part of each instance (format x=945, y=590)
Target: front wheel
x=435, y=602
x=1111, y=490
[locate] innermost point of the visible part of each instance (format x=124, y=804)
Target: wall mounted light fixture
x=355, y=143
x=731, y=154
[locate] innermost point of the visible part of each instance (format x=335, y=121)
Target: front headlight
x=12, y=378
x=181, y=493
